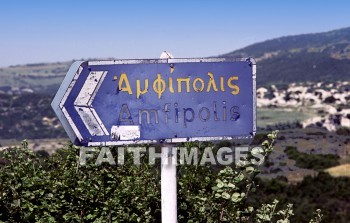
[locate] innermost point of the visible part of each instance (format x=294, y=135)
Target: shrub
x=311, y=161
x=343, y=131
x=57, y=189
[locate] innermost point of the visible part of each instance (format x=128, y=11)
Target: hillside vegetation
x=28, y=116
x=308, y=57
x=42, y=77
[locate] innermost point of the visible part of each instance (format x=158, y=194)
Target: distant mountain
x=40, y=77
x=308, y=57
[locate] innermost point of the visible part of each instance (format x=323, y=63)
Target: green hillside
x=42, y=77
x=301, y=58
x=308, y=57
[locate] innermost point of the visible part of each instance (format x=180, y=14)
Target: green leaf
x=236, y=197
x=220, y=184
x=265, y=143
x=225, y=195
x=231, y=185
x=239, y=178
x=217, y=195
x=250, y=169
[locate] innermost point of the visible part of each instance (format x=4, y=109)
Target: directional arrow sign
x=163, y=100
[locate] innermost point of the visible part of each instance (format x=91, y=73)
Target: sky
x=52, y=31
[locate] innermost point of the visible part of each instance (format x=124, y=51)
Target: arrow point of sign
x=82, y=104
x=61, y=96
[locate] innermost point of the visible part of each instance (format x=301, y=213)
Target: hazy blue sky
x=50, y=31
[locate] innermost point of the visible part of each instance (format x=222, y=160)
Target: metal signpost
x=118, y=102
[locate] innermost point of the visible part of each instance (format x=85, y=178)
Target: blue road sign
x=163, y=100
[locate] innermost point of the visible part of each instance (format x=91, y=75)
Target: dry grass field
x=339, y=171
